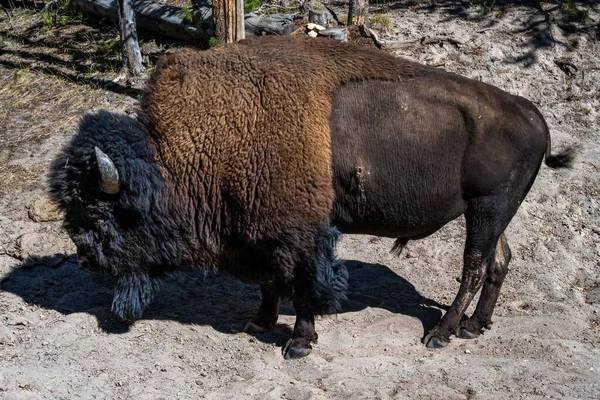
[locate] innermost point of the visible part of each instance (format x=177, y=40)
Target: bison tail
x=564, y=159
x=331, y=277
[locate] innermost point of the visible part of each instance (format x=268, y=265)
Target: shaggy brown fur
x=255, y=116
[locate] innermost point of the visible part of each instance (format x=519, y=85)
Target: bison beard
x=133, y=293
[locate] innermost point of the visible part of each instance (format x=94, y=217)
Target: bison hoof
x=254, y=327
x=434, y=342
x=466, y=334
x=296, y=348
x=471, y=328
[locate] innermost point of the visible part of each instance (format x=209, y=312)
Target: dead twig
x=385, y=43
x=367, y=32
x=436, y=40
x=8, y=15
x=567, y=67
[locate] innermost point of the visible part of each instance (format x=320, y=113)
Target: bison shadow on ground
x=222, y=302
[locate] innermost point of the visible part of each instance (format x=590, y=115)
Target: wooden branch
x=370, y=33
x=132, y=57
x=436, y=40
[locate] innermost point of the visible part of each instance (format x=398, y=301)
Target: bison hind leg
x=482, y=317
x=486, y=259
x=133, y=294
x=268, y=311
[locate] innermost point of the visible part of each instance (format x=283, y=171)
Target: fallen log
x=339, y=34
x=169, y=21
x=172, y=22
x=275, y=24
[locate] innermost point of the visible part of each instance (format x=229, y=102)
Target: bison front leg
x=268, y=311
x=320, y=283
x=304, y=334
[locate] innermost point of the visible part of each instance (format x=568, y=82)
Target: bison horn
x=109, y=176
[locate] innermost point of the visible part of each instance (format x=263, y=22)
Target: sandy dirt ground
x=58, y=340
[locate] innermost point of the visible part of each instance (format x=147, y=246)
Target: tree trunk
x=132, y=57
x=357, y=11
x=350, y=13
x=228, y=17
x=361, y=10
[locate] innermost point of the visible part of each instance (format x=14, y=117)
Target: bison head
x=112, y=191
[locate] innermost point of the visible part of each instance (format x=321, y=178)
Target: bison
x=246, y=156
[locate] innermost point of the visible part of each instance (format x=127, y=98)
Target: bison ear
x=109, y=176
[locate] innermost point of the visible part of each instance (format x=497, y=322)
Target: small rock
x=313, y=29
x=44, y=210
x=6, y=337
x=44, y=244
x=17, y=321
x=467, y=351
x=552, y=244
x=546, y=6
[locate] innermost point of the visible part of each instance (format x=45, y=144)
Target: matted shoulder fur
x=256, y=114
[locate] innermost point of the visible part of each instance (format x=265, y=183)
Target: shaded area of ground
x=226, y=304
